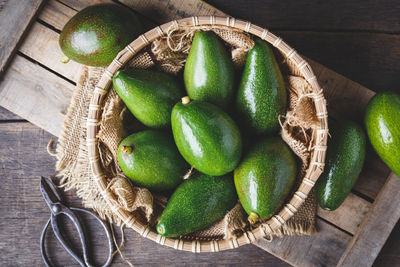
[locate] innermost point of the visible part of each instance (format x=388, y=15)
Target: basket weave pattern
x=313, y=172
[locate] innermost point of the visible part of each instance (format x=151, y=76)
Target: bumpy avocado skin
x=206, y=137
x=382, y=120
x=262, y=95
x=209, y=72
x=149, y=95
x=96, y=34
x=197, y=203
x=265, y=177
x=343, y=164
x=154, y=161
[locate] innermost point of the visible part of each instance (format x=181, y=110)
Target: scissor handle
x=75, y=220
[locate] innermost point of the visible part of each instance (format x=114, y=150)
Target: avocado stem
x=185, y=100
x=64, y=59
x=127, y=149
x=253, y=218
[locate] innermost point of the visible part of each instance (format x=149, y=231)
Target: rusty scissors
x=54, y=202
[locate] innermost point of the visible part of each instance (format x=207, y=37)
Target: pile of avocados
x=225, y=128
x=192, y=125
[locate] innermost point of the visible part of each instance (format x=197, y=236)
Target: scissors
x=54, y=202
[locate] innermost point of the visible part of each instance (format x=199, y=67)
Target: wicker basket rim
x=317, y=155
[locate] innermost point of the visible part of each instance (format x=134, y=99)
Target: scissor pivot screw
x=56, y=208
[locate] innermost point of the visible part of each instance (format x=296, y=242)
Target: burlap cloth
x=168, y=54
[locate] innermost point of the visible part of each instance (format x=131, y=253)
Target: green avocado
x=262, y=95
x=197, y=203
x=265, y=177
x=343, y=164
x=151, y=159
x=149, y=95
x=382, y=120
x=206, y=136
x=209, y=72
x=96, y=34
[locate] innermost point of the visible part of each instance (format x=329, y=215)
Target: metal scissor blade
x=49, y=191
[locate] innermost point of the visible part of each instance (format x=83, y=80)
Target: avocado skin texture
x=154, y=161
x=149, y=95
x=343, y=164
x=382, y=120
x=197, y=203
x=209, y=72
x=265, y=177
x=206, y=137
x=96, y=34
x=262, y=95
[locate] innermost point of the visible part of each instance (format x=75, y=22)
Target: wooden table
x=357, y=38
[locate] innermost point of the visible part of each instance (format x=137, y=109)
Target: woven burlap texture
x=168, y=54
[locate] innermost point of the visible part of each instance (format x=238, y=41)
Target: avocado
x=209, y=71
x=96, y=34
x=382, y=120
x=262, y=95
x=149, y=95
x=265, y=177
x=206, y=136
x=344, y=161
x=197, y=203
x=151, y=159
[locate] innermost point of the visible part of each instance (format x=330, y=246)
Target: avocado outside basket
x=318, y=142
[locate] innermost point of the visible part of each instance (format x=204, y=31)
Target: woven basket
x=319, y=142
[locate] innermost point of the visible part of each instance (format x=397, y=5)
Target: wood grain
x=376, y=227
x=42, y=46
x=23, y=159
x=36, y=94
x=322, y=249
x=16, y=15
x=349, y=215
x=316, y=15
x=6, y=115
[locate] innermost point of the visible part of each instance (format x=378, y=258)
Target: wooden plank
x=56, y=14
x=23, y=212
x=41, y=44
x=322, y=249
x=349, y=215
x=6, y=115
x=164, y=11
x=15, y=18
x=376, y=227
x=36, y=94
x=368, y=15
x=81, y=4
x=67, y=8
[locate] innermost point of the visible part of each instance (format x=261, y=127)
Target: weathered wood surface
x=23, y=159
x=315, y=15
x=6, y=115
x=15, y=18
x=323, y=249
x=341, y=91
x=30, y=91
x=350, y=214
x=377, y=226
